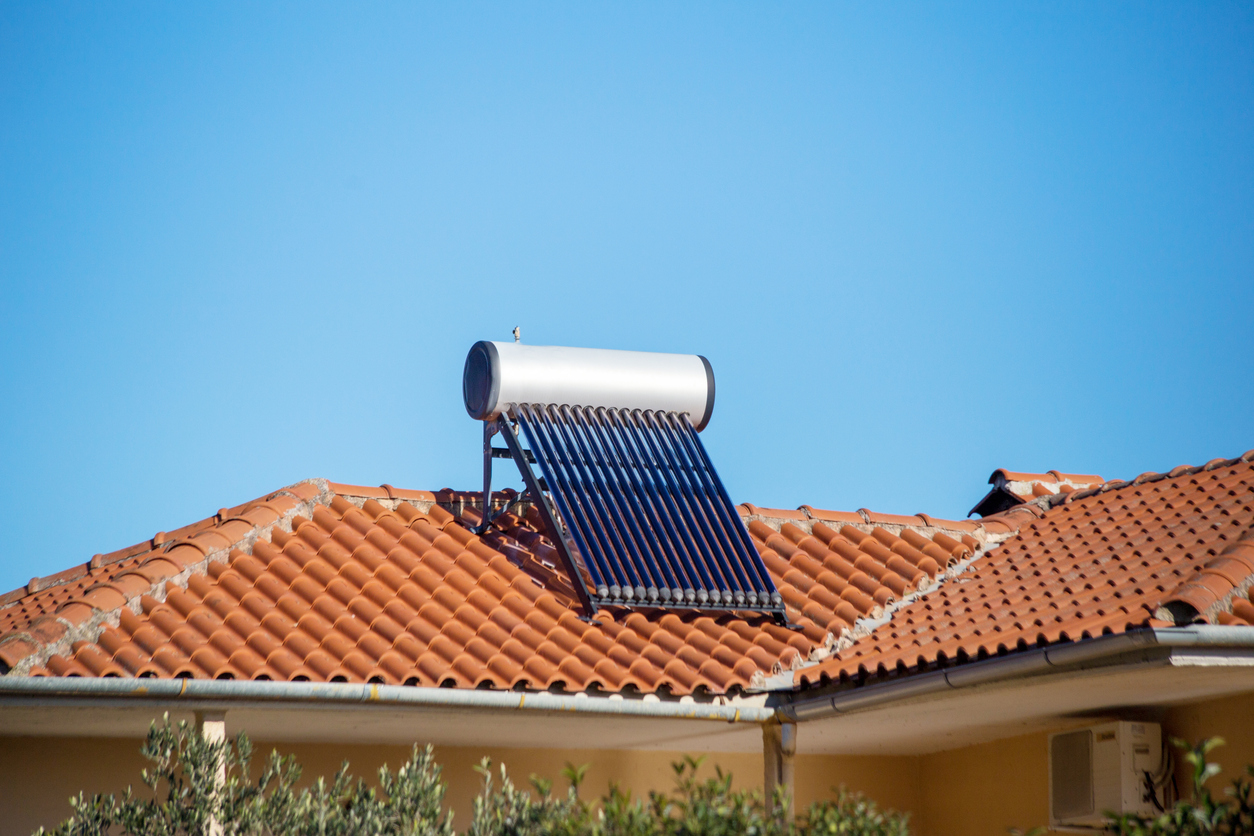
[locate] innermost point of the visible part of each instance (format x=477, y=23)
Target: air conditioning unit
x=1111, y=768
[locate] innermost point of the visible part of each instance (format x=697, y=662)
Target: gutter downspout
x=224, y=692
x=779, y=750
x=1097, y=652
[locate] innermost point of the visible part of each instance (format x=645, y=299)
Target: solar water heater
x=626, y=489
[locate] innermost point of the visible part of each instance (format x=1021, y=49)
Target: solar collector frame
x=624, y=486
x=643, y=506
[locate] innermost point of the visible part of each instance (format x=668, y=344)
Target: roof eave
x=1128, y=648
x=206, y=693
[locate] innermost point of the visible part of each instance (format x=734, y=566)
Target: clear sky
x=243, y=244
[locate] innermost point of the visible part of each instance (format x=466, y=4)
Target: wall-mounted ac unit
x=1108, y=768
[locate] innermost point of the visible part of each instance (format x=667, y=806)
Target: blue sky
x=244, y=244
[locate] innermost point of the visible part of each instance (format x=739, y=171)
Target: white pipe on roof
x=193, y=692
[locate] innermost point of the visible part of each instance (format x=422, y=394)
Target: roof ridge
x=1047, y=502
x=1210, y=589
x=84, y=619
x=864, y=627
x=160, y=539
x=864, y=520
x=384, y=491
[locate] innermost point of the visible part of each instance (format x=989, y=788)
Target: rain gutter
x=228, y=693
x=1133, y=647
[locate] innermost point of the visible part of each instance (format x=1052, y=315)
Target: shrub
x=853, y=813
x=1202, y=815
x=696, y=807
x=185, y=797
x=712, y=807
x=505, y=810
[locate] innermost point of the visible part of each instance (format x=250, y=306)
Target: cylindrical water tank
x=498, y=374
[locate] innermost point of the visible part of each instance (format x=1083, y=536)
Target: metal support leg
x=489, y=430
x=779, y=748
x=559, y=535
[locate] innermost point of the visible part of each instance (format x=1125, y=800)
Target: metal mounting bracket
x=557, y=531
x=489, y=429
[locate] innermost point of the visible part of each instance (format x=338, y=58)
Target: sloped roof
x=1242, y=610
x=1162, y=549
x=331, y=582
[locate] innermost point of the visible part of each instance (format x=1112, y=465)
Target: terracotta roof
x=323, y=581
x=36, y=604
x=1242, y=610
x=331, y=582
x=1164, y=548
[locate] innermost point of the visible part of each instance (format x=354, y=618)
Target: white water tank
x=498, y=374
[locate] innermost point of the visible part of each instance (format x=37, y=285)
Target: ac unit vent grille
x=1071, y=765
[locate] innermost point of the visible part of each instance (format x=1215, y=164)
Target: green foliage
x=852, y=813
x=505, y=810
x=712, y=808
x=696, y=807
x=1201, y=815
x=186, y=797
x=620, y=815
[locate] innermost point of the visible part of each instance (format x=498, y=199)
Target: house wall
x=982, y=790
x=38, y=775
x=974, y=791
x=1231, y=718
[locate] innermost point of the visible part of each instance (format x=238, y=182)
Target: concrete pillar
x=779, y=748
x=212, y=727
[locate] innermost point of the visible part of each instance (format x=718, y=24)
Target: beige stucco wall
x=973, y=791
x=1232, y=719
x=38, y=775
x=982, y=790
